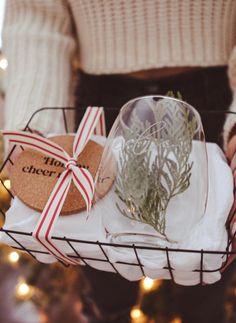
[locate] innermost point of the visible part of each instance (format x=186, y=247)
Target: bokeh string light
x=7, y=184
x=23, y=291
x=148, y=284
x=137, y=316
x=136, y=313
x=13, y=257
x=176, y=320
x=3, y=63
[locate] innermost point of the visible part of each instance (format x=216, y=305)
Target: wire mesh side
x=132, y=248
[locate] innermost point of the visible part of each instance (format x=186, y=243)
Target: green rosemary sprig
x=144, y=185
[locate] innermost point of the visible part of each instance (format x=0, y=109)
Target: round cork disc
x=34, y=175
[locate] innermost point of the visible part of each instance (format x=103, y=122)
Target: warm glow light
x=3, y=63
x=135, y=313
x=176, y=320
x=7, y=184
x=2, y=220
x=43, y=317
x=148, y=283
x=23, y=290
x=4, y=188
x=13, y=256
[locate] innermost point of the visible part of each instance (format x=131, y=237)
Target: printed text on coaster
x=34, y=175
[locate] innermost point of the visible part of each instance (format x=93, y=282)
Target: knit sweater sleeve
x=39, y=45
x=230, y=124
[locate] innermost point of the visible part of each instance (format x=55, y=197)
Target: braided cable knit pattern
x=41, y=37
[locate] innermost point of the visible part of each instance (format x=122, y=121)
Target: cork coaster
x=34, y=175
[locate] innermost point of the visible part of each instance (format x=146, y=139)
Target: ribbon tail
x=36, y=142
x=100, y=128
x=86, y=129
x=83, y=180
x=44, y=228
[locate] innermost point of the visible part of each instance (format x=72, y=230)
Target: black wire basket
x=68, y=128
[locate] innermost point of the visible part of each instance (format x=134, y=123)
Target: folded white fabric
x=208, y=234
x=23, y=219
x=106, y=224
x=77, y=226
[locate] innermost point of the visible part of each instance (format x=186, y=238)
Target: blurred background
x=31, y=292
x=3, y=63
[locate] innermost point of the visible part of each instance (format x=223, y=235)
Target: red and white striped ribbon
x=93, y=122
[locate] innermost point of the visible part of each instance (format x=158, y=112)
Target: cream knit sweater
x=41, y=37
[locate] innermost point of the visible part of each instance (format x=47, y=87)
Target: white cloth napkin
x=105, y=224
x=23, y=219
x=78, y=226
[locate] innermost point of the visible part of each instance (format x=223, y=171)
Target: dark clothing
x=204, y=89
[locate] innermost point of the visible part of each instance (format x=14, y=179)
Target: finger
x=233, y=163
x=231, y=257
x=231, y=226
x=232, y=213
x=231, y=148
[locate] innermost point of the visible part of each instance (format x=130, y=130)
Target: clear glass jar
x=156, y=157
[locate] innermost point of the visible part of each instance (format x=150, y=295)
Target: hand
x=231, y=222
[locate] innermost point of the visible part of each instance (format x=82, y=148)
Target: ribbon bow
x=92, y=122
